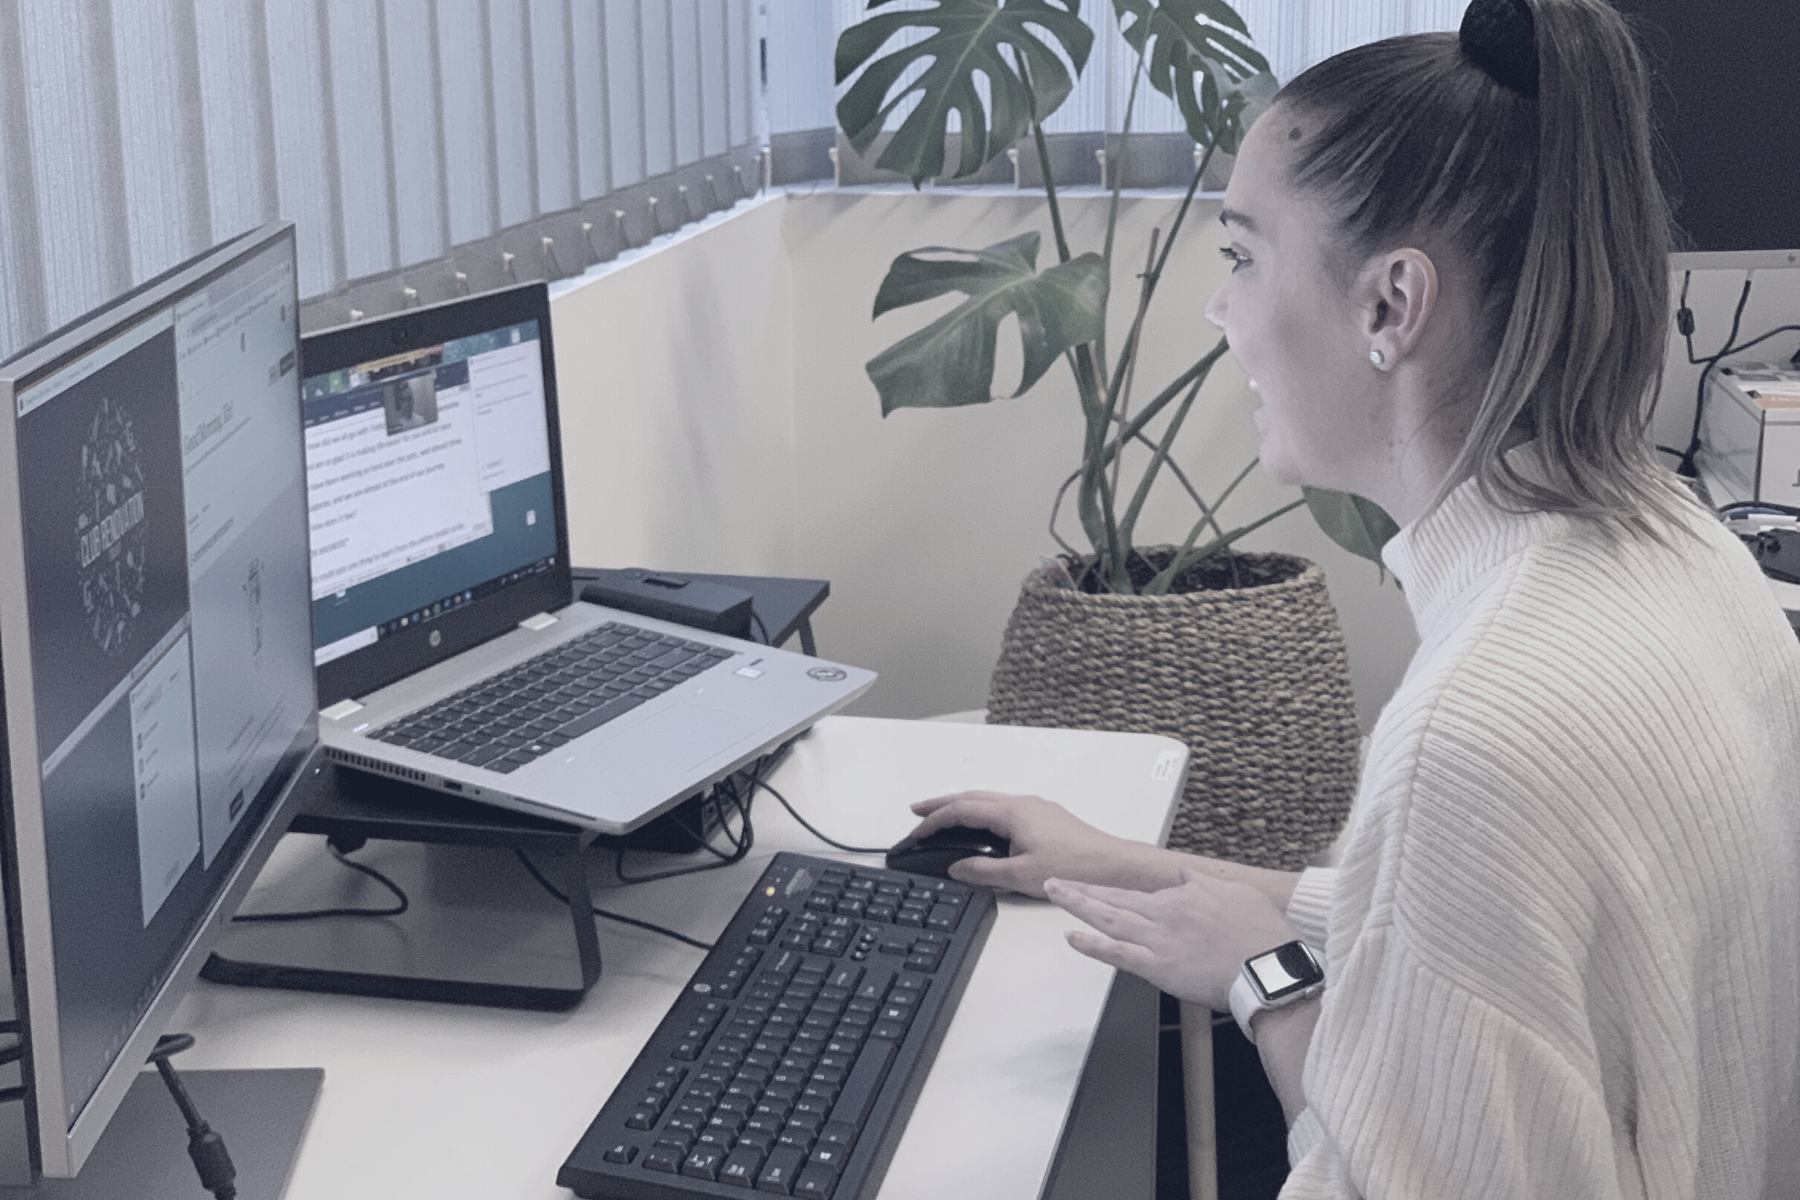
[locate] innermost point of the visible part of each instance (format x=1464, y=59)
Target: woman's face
x=1302, y=340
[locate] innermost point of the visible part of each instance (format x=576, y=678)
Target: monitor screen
x=1727, y=113
x=159, y=596
x=428, y=482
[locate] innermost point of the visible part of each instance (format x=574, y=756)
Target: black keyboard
x=547, y=701
x=791, y=1060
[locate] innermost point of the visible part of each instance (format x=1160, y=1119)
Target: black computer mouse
x=933, y=853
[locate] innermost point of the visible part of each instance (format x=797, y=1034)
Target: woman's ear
x=1398, y=296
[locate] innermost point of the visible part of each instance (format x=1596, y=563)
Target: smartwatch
x=1273, y=979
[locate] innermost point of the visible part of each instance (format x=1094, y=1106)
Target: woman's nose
x=1215, y=309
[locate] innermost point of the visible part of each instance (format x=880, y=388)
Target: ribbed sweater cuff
x=1307, y=1135
x=1310, y=908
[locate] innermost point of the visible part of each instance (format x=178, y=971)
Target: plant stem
x=1128, y=526
x=1043, y=153
x=1187, y=556
x=1130, y=429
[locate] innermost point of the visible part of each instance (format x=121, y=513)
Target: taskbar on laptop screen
x=427, y=613
x=429, y=484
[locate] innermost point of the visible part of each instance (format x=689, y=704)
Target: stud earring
x=1376, y=358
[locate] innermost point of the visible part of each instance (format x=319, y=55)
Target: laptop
x=449, y=650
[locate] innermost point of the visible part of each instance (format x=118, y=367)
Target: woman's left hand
x=1191, y=940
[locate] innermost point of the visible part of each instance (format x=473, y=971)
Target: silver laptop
x=448, y=649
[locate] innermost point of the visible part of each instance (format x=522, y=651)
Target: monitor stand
x=142, y=1155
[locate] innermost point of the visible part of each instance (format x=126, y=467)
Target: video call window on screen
x=428, y=483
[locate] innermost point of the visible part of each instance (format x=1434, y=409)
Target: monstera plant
x=1003, y=67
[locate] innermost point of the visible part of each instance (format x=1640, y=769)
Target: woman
x=1560, y=950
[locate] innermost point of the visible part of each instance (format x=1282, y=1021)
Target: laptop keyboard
x=523, y=713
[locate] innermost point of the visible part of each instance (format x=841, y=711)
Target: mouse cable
x=757, y=617
x=205, y=1147
x=808, y=826
x=401, y=903
x=621, y=918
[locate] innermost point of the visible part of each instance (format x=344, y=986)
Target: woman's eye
x=1233, y=256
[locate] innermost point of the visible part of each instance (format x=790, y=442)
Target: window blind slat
x=232, y=53
x=625, y=91
x=365, y=183
x=305, y=159
x=684, y=68
x=22, y=316
x=553, y=114
x=470, y=186
x=587, y=65
x=714, y=79
x=657, y=112
x=510, y=91
x=78, y=192
x=161, y=138
x=417, y=135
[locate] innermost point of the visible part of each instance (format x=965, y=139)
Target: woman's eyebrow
x=1231, y=216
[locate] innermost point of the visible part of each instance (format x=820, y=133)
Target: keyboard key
x=816, y=1182
x=703, y=1163
x=624, y=1152
x=661, y=1158
x=741, y=1166
x=779, y=1171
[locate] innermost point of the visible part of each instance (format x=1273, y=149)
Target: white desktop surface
x=442, y=1101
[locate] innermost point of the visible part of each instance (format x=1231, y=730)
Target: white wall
x=716, y=416
x=673, y=380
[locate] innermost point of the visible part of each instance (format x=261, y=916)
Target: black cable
x=757, y=617
x=726, y=789
x=400, y=906
x=1684, y=323
x=807, y=825
x=205, y=1147
x=621, y=918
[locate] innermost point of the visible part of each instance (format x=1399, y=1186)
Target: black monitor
x=156, y=655
x=1727, y=111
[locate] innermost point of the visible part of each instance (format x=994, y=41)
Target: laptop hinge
x=340, y=710
x=537, y=621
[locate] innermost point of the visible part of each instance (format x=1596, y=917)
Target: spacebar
x=865, y=1081
x=599, y=716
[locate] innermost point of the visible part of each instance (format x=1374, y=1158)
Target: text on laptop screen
x=428, y=484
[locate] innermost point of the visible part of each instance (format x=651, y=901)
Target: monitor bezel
x=58, y=1147
x=410, y=651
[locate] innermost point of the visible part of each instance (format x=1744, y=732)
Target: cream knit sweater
x=1563, y=944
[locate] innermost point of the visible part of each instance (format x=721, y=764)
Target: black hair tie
x=1501, y=37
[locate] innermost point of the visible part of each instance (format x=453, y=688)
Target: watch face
x=1285, y=970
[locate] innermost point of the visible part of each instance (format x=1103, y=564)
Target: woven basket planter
x=1254, y=679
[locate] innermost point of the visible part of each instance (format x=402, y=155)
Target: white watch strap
x=1245, y=1004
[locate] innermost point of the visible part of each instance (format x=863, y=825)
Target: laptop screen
x=429, y=486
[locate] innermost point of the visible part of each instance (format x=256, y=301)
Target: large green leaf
x=1360, y=526
x=950, y=362
x=1194, y=55
x=970, y=37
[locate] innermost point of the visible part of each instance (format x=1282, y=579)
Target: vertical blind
x=135, y=133
x=1292, y=35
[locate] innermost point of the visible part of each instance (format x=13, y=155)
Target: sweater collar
x=1460, y=542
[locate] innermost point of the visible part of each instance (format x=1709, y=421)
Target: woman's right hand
x=1047, y=841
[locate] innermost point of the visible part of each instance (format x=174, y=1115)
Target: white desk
x=440, y=1101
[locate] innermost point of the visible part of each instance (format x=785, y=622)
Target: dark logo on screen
x=828, y=674
x=110, y=535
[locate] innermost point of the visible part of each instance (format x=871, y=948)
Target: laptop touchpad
x=689, y=735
